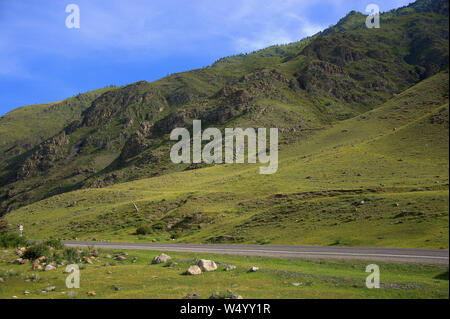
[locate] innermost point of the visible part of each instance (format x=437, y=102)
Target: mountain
x=362, y=115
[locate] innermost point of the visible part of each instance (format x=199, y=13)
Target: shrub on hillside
x=10, y=240
x=70, y=254
x=36, y=250
x=143, y=230
x=55, y=243
x=3, y=226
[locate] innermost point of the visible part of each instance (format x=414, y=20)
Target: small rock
x=36, y=267
x=121, y=258
x=71, y=294
x=2, y=280
x=108, y=256
x=161, y=259
x=296, y=284
x=236, y=297
x=87, y=260
x=207, y=265
x=106, y=264
x=49, y=267
x=51, y=288
x=19, y=252
x=192, y=296
x=26, y=292
x=230, y=267
x=253, y=269
x=194, y=270
x=115, y=288
x=92, y=293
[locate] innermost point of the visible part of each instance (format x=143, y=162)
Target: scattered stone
x=121, y=258
x=108, y=256
x=230, y=267
x=297, y=284
x=92, y=293
x=193, y=295
x=207, y=265
x=18, y=261
x=24, y=261
x=134, y=259
x=94, y=253
x=106, y=264
x=236, y=297
x=87, y=260
x=115, y=288
x=194, y=270
x=161, y=259
x=109, y=272
x=49, y=267
x=51, y=288
x=19, y=252
x=26, y=292
x=253, y=269
x=36, y=266
x=2, y=280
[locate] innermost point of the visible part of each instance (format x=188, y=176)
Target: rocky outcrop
x=44, y=157
x=135, y=145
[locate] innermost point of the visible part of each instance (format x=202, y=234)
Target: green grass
x=318, y=278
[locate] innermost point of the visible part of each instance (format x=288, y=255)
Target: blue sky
x=121, y=42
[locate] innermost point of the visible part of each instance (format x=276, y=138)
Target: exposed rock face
x=135, y=145
x=328, y=79
x=207, y=265
x=44, y=157
x=174, y=120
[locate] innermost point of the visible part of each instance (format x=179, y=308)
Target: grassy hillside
x=379, y=179
x=107, y=137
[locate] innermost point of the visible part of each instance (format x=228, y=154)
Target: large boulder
x=207, y=265
x=194, y=270
x=163, y=258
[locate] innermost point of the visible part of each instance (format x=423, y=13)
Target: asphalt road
x=425, y=256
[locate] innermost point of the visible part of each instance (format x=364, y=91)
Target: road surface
x=426, y=256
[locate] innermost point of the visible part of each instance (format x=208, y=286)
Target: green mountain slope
x=315, y=198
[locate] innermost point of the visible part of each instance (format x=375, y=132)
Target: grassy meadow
x=276, y=278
